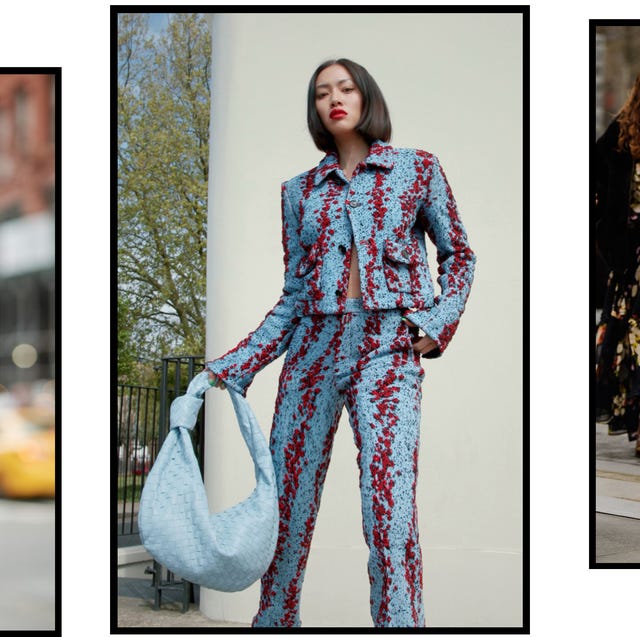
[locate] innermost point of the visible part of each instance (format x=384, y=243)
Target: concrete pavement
x=135, y=608
x=27, y=556
x=617, y=500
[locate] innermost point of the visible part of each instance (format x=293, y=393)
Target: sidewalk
x=617, y=499
x=135, y=608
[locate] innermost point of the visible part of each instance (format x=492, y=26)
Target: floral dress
x=618, y=337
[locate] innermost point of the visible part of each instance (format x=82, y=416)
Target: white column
x=243, y=276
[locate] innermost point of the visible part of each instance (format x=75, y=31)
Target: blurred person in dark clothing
x=617, y=205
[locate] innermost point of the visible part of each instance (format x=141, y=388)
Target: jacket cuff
x=433, y=325
x=222, y=371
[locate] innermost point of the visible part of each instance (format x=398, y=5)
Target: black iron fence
x=143, y=423
x=138, y=444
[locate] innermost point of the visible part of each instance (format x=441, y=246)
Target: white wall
x=453, y=84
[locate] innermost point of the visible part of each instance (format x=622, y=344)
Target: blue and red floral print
x=395, y=197
x=358, y=353
x=362, y=359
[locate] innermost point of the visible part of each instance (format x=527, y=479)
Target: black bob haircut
x=374, y=122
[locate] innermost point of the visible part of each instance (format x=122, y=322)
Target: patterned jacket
x=395, y=195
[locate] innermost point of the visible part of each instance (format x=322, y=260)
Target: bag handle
x=184, y=409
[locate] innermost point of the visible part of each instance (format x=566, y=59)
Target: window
x=52, y=109
x=22, y=120
x=6, y=163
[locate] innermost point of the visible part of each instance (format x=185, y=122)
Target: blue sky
x=157, y=22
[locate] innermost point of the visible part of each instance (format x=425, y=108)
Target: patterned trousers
x=362, y=359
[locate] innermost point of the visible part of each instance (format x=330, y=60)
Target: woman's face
x=338, y=100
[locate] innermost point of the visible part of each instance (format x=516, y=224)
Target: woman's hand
x=424, y=344
x=214, y=379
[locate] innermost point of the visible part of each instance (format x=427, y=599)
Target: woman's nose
x=335, y=99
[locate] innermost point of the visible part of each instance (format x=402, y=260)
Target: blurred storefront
x=27, y=233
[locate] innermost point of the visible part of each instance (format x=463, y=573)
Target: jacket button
x=342, y=249
x=354, y=204
x=338, y=292
x=404, y=254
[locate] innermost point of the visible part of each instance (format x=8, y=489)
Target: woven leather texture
x=225, y=551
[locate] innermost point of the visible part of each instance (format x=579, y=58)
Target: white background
x=566, y=597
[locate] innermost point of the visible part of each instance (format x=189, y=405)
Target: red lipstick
x=337, y=113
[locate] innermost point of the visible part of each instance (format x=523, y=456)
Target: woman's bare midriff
x=353, y=290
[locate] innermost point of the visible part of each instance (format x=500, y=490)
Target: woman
x=618, y=236
x=357, y=290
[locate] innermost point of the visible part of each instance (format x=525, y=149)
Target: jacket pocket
x=308, y=261
x=400, y=260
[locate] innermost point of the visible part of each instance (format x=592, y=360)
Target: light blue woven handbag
x=226, y=551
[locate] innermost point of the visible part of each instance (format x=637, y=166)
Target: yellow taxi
x=27, y=452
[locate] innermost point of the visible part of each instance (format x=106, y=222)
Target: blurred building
x=617, y=65
x=27, y=228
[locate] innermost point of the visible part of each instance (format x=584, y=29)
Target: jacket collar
x=380, y=155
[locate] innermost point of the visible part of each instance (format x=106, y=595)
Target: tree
x=125, y=348
x=163, y=153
